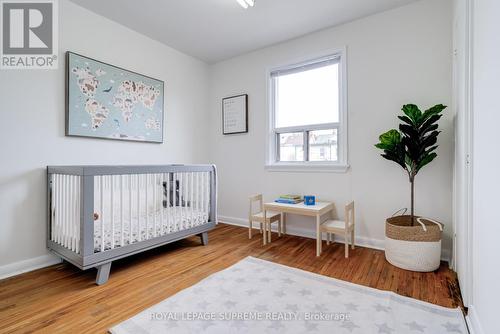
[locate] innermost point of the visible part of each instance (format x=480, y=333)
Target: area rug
x=257, y=296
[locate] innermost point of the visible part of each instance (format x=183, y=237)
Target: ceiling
x=215, y=30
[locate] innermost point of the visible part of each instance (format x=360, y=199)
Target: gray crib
x=98, y=214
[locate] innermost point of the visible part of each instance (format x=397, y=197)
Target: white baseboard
x=310, y=233
x=473, y=321
x=16, y=268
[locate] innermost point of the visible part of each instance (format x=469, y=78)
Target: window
x=308, y=121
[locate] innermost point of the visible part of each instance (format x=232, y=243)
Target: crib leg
x=204, y=238
x=103, y=273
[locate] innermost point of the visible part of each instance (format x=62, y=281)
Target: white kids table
x=317, y=210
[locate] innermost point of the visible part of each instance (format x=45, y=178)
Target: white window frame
x=272, y=159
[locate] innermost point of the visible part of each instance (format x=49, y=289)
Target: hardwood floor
x=63, y=299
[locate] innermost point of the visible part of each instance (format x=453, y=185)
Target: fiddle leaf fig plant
x=413, y=146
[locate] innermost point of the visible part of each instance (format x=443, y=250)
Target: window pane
x=309, y=97
x=323, y=145
x=291, y=146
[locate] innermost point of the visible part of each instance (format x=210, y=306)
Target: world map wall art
x=105, y=101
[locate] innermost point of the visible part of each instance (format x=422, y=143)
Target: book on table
x=289, y=199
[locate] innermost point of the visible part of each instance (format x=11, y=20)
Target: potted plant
x=412, y=242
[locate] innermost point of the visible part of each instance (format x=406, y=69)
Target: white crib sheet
x=174, y=219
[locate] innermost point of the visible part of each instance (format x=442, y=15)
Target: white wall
x=32, y=125
x=486, y=161
x=462, y=168
x=393, y=58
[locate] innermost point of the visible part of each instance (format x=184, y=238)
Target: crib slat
x=191, y=199
x=121, y=211
x=67, y=203
x=174, y=201
x=187, y=195
x=176, y=194
x=139, y=223
x=209, y=174
x=162, y=229
x=198, y=196
x=130, y=208
x=57, y=194
x=58, y=207
x=138, y=207
x=181, y=199
x=204, y=205
x=63, y=211
x=112, y=199
x=65, y=208
x=72, y=223
x=70, y=213
x=71, y=208
x=146, y=176
x=207, y=192
x=198, y=192
x=169, y=210
x=77, y=214
x=73, y=213
x=52, y=207
x=203, y=196
x=155, y=207
x=76, y=199
x=101, y=199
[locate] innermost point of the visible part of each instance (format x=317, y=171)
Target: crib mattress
x=174, y=219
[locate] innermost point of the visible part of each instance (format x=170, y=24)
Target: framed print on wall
x=106, y=101
x=235, y=114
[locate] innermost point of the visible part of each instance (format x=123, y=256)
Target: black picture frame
x=67, y=100
x=246, y=114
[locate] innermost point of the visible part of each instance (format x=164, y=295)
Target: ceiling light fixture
x=246, y=3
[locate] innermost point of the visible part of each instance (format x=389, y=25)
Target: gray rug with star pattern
x=257, y=296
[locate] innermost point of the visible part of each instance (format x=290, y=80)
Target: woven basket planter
x=416, y=248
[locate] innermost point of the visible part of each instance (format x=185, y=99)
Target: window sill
x=308, y=167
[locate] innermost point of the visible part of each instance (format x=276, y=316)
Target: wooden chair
x=333, y=226
x=272, y=216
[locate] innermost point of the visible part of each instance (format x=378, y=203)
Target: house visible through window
x=307, y=116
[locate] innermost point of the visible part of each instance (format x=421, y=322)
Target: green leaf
x=414, y=145
x=406, y=120
x=424, y=131
x=427, y=159
x=429, y=140
x=412, y=148
x=409, y=131
x=429, y=124
x=392, y=157
x=389, y=140
x=438, y=108
x=408, y=160
x=433, y=148
x=413, y=113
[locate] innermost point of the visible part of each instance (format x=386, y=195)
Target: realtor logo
x=29, y=34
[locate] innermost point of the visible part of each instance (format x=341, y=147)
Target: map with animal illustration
x=106, y=101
